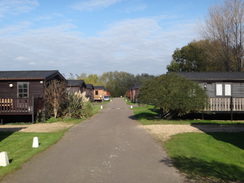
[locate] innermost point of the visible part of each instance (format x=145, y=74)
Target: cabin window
x=23, y=90
x=227, y=89
x=223, y=89
x=96, y=92
x=219, y=89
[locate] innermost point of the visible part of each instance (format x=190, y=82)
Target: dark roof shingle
x=99, y=87
x=199, y=76
x=76, y=82
x=89, y=86
x=38, y=74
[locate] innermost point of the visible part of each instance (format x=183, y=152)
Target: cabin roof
x=136, y=86
x=30, y=75
x=89, y=86
x=99, y=88
x=214, y=76
x=76, y=83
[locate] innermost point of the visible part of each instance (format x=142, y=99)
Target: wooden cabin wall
x=237, y=89
x=6, y=91
x=36, y=89
x=73, y=89
x=211, y=91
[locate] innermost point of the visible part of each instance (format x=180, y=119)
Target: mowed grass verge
x=205, y=157
x=18, y=145
x=148, y=115
x=213, y=157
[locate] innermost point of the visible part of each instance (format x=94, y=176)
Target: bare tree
x=225, y=24
x=54, y=94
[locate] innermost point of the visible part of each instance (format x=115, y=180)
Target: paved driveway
x=108, y=148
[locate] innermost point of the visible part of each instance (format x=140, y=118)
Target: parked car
x=106, y=98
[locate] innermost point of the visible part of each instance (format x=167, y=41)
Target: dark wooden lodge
x=21, y=92
x=224, y=89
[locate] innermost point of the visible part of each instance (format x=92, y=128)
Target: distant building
x=100, y=92
x=133, y=92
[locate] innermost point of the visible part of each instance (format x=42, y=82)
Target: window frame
x=228, y=91
x=219, y=89
x=223, y=89
x=25, y=94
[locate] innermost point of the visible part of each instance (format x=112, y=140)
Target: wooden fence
x=225, y=104
x=16, y=105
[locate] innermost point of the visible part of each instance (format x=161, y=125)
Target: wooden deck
x=227, y=104
x=16, y=106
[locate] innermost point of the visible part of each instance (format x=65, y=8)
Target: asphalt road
x=110, y=148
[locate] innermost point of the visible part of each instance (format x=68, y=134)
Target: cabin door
x=23, y=96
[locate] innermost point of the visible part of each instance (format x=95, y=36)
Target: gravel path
x=164, y=132
x=39, y=127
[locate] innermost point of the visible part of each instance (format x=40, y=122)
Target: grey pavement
x=108, y=148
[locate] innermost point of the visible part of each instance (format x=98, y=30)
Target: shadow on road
x=167, y=161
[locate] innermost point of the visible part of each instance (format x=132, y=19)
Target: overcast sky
x=96, y=36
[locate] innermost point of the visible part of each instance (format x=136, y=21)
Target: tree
x=188, y=58
x=197, y=56
x=174, y=95
x=117, y=82
x=90, y=79
x=225, y=24
x=141, y=78
x=54, y=95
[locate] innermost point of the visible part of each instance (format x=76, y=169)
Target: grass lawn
x=128, y=102
x=208, y=158
x=148, y=115
x=18, y=145
x=213, y=157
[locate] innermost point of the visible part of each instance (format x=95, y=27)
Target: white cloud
x=10, y=7
x=15, y=29
x=133, y=45
x=31, y=63
x=93, y=4
x=20, y=58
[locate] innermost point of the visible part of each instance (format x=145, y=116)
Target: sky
x=97, y=36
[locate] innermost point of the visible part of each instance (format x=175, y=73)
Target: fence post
x=33, y=108
x=231, y=108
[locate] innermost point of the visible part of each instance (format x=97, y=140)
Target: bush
x=174, y=95
x=88, y=109
x=74, y=106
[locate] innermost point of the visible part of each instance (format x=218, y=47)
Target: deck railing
x=225, y=104
x=16, y=105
